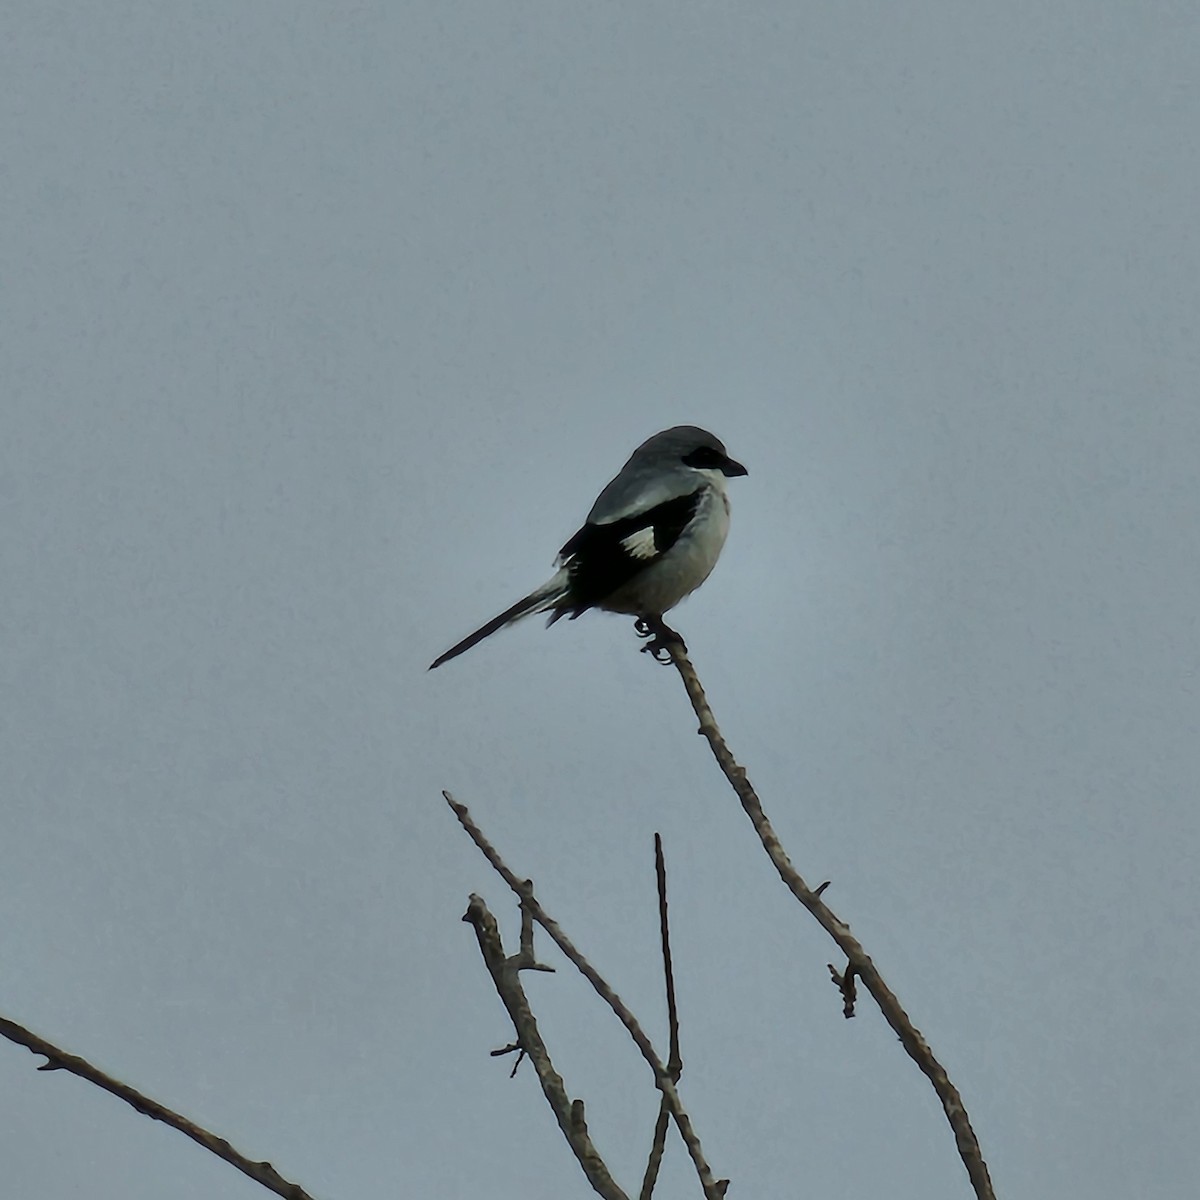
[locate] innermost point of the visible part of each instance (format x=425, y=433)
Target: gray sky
x=322, y=327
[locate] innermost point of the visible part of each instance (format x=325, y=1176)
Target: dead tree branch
x=523, y=889
x=505, y=972
x=674, y=1060
x=859, y=962
x=60, y=1060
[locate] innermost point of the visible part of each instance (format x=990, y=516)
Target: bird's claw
x=661, y=636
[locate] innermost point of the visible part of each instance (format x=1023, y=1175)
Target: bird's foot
x=661, y=636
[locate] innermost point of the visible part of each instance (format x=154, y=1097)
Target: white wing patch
x=641, y=544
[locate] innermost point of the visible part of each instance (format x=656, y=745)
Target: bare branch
x=526, y=960
x=860, y=964
x=523, y=889
x=60, y=1060
x=505, y=973
x=654, y=1162
x=674, y=1061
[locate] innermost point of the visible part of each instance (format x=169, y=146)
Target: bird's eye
x=704, y=458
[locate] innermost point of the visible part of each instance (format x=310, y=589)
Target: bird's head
x=690, y=446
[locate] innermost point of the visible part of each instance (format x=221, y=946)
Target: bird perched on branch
x=652, y=537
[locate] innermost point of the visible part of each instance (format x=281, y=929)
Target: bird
x=652, y=537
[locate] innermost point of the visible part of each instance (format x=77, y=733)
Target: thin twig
x=844, y=982
x=859, y=961
x=60, y=1060
x=674, y=1060
x=713, y=1189
x=650, y=1178
x=505, y=972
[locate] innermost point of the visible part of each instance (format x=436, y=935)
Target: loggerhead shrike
x=651, y=539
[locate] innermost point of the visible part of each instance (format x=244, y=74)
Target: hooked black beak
x=731, y=468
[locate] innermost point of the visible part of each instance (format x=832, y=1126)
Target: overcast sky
x=322, y=325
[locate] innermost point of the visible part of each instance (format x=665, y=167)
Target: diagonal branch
x=505, y=973
x=56, y=1060
x=859, y=961
x=714, y=1189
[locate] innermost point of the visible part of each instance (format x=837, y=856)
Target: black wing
x=602, y=558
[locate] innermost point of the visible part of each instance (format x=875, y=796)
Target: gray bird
x=652, y=537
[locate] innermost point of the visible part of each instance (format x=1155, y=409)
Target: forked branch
x=505, y=972
x=714, y=1189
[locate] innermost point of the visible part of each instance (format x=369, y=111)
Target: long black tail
x=538, y=601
